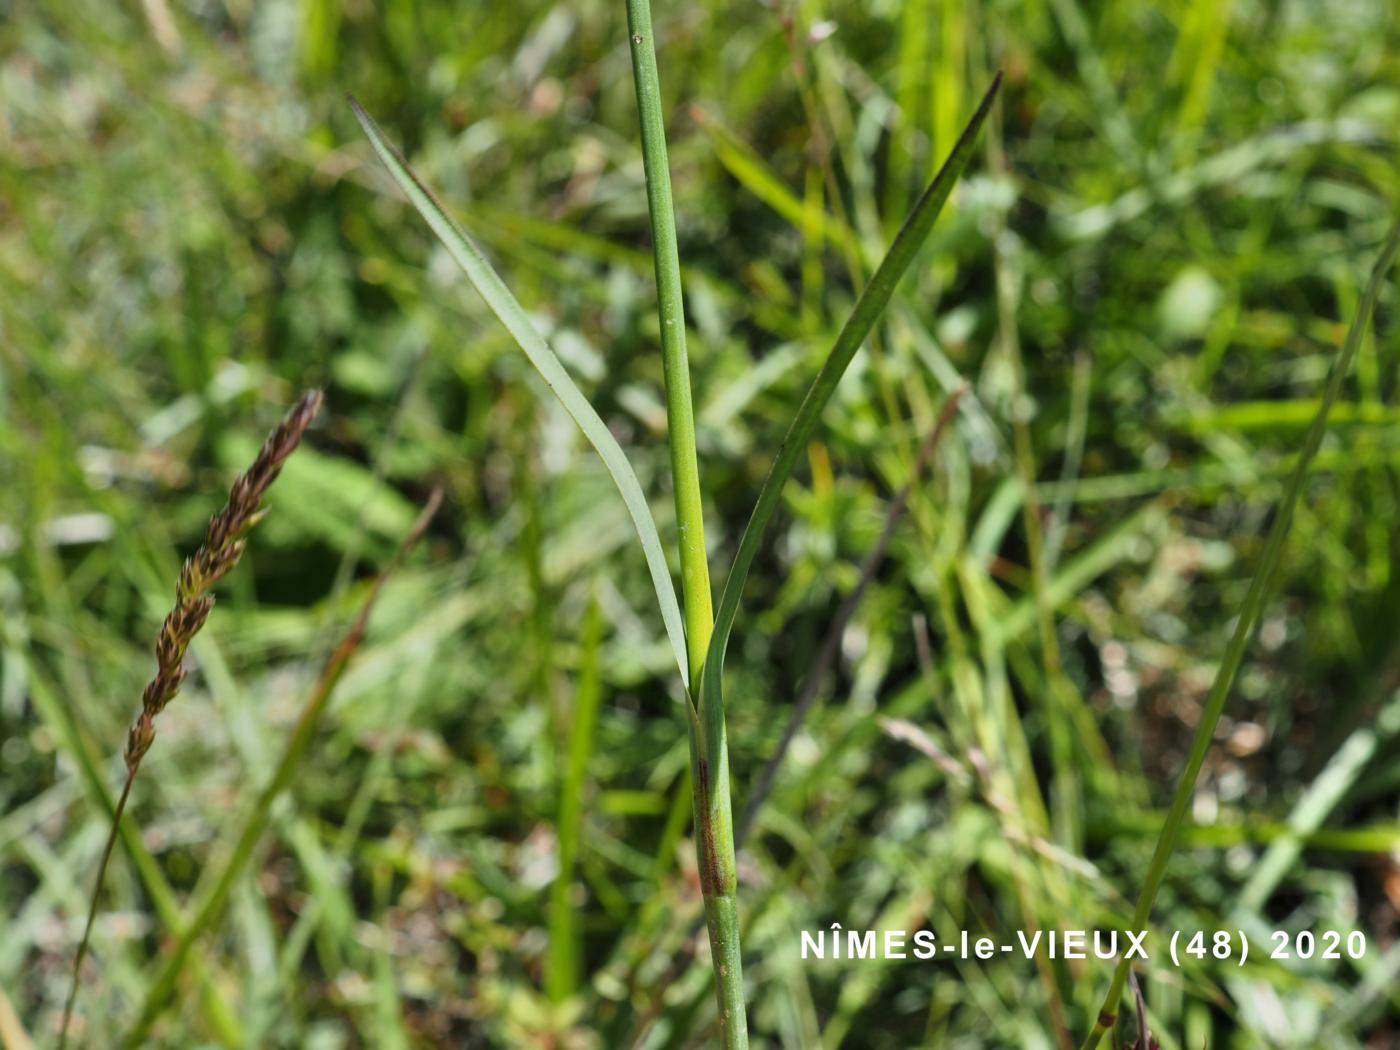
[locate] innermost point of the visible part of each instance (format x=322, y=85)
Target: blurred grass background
x=1143, y=280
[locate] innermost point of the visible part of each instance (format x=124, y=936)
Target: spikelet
x=223, y=546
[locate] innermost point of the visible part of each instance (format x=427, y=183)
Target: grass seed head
x=223, y=546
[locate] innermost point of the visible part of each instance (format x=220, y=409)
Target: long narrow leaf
x=511, y=314
x=1250, y=610
x=863, y=318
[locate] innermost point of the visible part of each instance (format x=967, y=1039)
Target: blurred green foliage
x=1151, y=269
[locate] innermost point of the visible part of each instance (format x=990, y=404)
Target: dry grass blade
x=224, y=543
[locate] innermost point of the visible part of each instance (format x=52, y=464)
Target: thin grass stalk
x=218, y=1016
x=213, y=892
x=680, y=412
x=1243, y=633
x=224, y=543
x=710, y=792
x=81, y=953
x=826, y=656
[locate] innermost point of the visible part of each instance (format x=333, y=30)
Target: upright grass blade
x=680, y=413
x=863, y=318
x=1244, y=631
x=213, y=890
x=709, y=749
x=562, y=965
x=507, y=308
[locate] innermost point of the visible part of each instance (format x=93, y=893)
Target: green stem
x=680, y=415
x=714, y=822
x=81, y=954
x=217, y=1013
x=719, y=884
x=1244, y=631
x=722, y=918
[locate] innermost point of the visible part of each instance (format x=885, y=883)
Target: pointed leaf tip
x=866, y=314
x=483, y=276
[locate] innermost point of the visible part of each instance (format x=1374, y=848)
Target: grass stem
x=93, y=905
x=714, y=824
x=680, y=413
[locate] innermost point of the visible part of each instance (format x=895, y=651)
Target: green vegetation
x=707, y=636
x=483, y=835
x=223, y=546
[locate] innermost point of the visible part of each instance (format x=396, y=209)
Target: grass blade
x=507, y=308
x=709, y=749
x=863, y=318
x=1244, y=631
x=565, y=944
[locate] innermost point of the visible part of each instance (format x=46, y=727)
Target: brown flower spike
x=223, y=546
